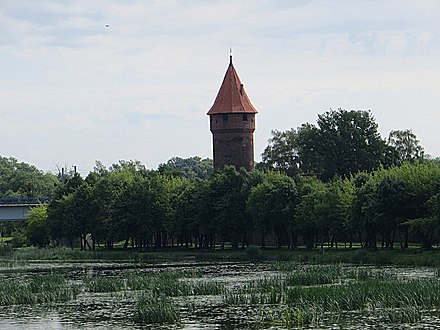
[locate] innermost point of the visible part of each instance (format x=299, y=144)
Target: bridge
x=17, y=209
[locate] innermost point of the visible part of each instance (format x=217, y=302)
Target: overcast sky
x=73, y=91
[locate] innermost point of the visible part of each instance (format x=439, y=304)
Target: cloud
x=141, y=88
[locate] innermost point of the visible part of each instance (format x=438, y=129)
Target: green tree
x=342, y=144
x=281, y=153
x=406, y=146
x=428, y=228
x=189, y=168
x=229, y=204
x=309, y=208
x=334, y=209
x=388, y=206
x=272, y=206
x=70, y=213
x=188, y=202
x=18, y=179
x=37, y=226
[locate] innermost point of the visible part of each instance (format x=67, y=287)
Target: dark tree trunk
x=126, y=242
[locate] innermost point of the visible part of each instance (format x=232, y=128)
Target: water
x=116, y=310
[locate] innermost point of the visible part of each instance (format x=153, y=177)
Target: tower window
x=225, y=118
x=244, y=117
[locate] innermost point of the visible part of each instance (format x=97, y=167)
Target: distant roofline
x=23, y=200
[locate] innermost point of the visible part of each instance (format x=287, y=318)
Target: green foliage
x=104, y=284
x=281, y=153
x=19, y=238
x=129, y=205
x=37, y=226
x=189, y=168
x=154, y=310
x=24, y=180
x=427, y=230
x=342, y=143
x=36, y=290
x=406, y=146
x=272, y=205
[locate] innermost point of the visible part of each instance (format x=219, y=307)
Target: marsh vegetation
x=226, y=295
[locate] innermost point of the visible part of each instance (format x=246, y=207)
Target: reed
x=368, y=294
x=38, y=289
x=406, y=314
x=104, y=284
x=315, y=275
x=206, y=288
x=297, y=317
x=154, y=310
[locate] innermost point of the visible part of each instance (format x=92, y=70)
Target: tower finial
x=230, y=55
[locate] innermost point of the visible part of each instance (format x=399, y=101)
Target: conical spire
x=231, y=97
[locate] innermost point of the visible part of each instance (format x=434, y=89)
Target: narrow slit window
x=225, y=118
x=244, y=117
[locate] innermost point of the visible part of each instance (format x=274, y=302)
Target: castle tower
x=232, y=123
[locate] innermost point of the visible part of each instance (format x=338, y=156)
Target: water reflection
x=116, y=310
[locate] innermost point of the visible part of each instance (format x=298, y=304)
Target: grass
x=104, y=284
x=169, y=283
x=38, y=289
x=155, y=310
x=297, y=295
x=313, y=294
x=309, y=288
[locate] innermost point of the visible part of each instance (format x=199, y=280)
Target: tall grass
x=168, y=283
x=297, y=317
x=38, y=289
x=68, y=254
x=104, y=284
x=155, y=310
x=368, y=294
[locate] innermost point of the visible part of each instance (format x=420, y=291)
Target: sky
x=73, y=91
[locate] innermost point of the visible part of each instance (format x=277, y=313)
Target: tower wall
x=233, y=140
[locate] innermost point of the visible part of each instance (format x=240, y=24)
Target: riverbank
x=357, y=256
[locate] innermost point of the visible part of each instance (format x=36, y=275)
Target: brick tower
x=232, y=123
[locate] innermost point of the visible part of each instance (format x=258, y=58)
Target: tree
x=70, y=214
x=272, y=205
x=189, y=168
x=333, y=210
x=405, y=145
x=307, y=215
x=281, y=153
x=229, y=205
x=18, y=179
x=37, y=226
x=343, y=143
x=389, y=206
x=139, y=210
x=188, y=209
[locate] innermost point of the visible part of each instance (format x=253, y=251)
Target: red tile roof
x=231, y=97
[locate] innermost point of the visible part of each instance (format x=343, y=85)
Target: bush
x=19, y=238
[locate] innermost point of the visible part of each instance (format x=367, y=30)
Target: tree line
x=325, y=183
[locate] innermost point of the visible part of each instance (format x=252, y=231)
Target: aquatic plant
x=206, y=288
x=308, y=315
x=104, y=284
x=368, y=294
x=314, y=275
x=155, y=310
x=38, y=289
